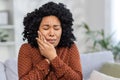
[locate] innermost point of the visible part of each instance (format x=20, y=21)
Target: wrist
x=47, y=61
x=53, y=57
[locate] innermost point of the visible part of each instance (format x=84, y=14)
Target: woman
x=50, y=53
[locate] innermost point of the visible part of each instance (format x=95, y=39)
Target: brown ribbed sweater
x=33, y=66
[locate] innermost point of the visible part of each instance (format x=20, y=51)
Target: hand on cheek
x=46, y=49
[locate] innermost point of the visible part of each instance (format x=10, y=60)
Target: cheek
x=59, y=34
x=44, y=33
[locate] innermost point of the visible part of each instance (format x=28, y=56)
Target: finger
x=40, y=42
x=48, y=43
x=39, y=35
x=40, y=46
x=42, y=37
x=44, y=40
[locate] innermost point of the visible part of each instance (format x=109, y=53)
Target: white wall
x=97, y=16
x=115, y=20
x=95, y=13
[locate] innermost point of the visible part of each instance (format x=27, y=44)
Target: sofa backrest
x=93, y=61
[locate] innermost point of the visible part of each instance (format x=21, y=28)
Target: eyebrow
x=56, y=25
x=53, y=25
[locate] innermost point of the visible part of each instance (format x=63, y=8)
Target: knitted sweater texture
x=33, y=66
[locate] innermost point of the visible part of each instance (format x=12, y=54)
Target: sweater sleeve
x=26, y=71
x=72, y=71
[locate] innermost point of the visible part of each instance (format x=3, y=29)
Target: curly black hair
x=33, y=20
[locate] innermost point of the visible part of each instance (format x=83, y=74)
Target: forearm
x=63, y=71
x=39, y=71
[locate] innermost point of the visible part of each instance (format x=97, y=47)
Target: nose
x=51, y=33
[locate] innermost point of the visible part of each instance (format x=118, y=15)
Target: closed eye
x=57, y=27
x=45, y=27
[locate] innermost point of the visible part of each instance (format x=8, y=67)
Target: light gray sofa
x=90, y=62
x=94, y=61
x=8, y=70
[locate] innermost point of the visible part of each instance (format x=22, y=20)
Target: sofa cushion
x=11, y=69
x=2, y=72
x=112, y=69
x=93, y=61
x=95, y=75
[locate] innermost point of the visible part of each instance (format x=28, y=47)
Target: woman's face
x=51, y=29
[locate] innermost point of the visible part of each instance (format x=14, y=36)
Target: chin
x=54, y=45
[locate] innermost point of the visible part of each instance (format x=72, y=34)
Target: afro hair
x=33, y=19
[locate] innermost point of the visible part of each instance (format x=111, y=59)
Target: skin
x=49, y=35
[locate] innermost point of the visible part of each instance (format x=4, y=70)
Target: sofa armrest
x=2, y=72
x=11, y=69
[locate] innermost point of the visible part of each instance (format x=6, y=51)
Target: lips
x=52, y=41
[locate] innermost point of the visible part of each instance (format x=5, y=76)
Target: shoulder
x=25, y=49
x=25, y=45
x=73, y=46
x=73, y=49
